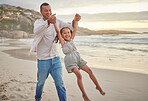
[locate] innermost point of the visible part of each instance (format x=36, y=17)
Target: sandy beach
x=18, y=79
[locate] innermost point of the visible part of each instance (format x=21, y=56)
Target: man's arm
x=39, y=26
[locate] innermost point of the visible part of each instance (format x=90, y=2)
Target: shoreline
x=22, y=53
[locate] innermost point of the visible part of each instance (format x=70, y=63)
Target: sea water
x=127, y=52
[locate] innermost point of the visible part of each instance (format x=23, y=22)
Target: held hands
x=52, y=19
x=77, y=17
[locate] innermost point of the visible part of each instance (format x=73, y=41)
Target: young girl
x=73, y=61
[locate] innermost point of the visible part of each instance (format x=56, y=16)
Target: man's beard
x=45, y=17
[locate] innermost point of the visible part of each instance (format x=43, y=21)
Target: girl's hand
x=77, y=17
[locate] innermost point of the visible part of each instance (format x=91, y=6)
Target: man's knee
x=41, y=83
x=59, y=81
x=60, y=87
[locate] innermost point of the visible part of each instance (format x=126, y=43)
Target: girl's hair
x=61, y=32
x=64, y=28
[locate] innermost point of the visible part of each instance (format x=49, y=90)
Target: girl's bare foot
x=101, y=92
x=85, y=98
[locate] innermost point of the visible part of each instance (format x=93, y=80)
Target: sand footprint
x=15, y=89
x=22, y=96
x=3, y=87
x=31, y=82
x=14, y=80
x=18, y=89
x=31, y=88
x=3, y=97
x=12, y=97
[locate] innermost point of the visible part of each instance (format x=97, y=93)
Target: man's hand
x=77, y=17
x=52, y=19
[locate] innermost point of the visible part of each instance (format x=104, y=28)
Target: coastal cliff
x=17, y=22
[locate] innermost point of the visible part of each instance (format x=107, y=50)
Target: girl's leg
x=93, y=78
x=80, y=84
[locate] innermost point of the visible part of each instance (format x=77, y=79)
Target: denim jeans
x=54, y=67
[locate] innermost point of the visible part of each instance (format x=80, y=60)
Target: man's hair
x=43, y=4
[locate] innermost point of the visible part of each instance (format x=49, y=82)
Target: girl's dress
x=72, y=58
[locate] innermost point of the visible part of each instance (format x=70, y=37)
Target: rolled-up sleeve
x=39, y=27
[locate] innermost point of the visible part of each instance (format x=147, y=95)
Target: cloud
x=80, y=3
x=109, y=16
x=59, y=4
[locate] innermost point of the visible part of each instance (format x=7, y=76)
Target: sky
x=129, y=15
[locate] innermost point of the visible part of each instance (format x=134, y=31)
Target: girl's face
x=66, y=34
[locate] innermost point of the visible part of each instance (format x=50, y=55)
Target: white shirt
x=44, y=42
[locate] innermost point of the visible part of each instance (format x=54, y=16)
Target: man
x=47, y=51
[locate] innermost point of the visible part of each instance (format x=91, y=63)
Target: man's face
x=46, y=12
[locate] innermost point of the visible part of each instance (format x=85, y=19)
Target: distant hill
x=85, y=31
x=14, y=20
x=17, y=18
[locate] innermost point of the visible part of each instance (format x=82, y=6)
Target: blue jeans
x=54, y=67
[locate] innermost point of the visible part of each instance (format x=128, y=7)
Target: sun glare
x=113, y=24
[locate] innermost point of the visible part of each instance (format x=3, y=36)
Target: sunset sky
x=129, y=15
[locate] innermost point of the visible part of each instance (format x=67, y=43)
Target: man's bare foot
x=101, y=92
x=86, y=98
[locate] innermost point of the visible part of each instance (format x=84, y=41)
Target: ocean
x=125, y=52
